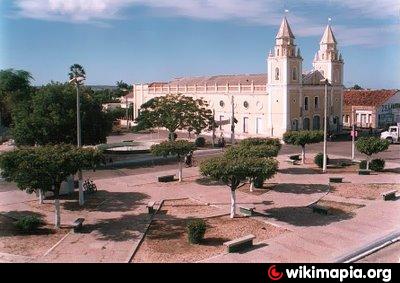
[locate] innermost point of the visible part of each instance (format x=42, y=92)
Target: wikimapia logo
x=305, y=272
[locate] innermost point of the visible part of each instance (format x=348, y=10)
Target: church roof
x=313, y=78
x=257, y=79
x=328, y=37
x=284, y=30
x=367, y=97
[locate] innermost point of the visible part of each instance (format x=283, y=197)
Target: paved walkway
x=114, y=227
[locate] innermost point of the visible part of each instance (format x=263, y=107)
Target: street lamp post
x=77, y=81
x=233, y=121
x=353, y=136
x=324, y=164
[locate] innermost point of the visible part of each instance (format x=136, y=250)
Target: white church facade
x=269, y=104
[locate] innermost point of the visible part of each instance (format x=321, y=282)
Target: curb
x=369, y=248
x=136, y=247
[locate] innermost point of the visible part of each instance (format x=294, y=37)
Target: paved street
x=388, y=254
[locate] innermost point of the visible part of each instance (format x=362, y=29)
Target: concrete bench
x=77, y=225
x=336, y=180
x=246, y=210
x=294, y=157
x=364, y=172
x=240, y=243
x=150, y=207
x=319, y=209
x=389, y=195
x=166, y=179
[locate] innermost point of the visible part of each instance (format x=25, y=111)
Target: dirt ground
x=266, y=187
x=362, y=191
x=167, y=241
x=13, y=242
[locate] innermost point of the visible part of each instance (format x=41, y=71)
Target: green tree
x=370, y=146
x=76, y=71
x=174, y=148
x=15, y=87
x=246, y=152
x=234, y=171
x=173, y=112
x=45, y=168
x=199, y=116
x=50, y=117
x=302, y=138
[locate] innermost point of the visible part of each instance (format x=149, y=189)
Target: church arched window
x=277, y=74
x=294, y=74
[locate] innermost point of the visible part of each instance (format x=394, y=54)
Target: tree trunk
x=180, y=170
x=81, y=195
x=57, y=216
x=303, y=154
x=233, y=203
x=251, y=185
x=41, y=193
x=367, y=163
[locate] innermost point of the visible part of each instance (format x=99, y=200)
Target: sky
x=140, y=41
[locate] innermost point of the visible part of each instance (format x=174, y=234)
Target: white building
x=267, y=105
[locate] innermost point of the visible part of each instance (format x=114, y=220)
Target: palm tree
x=76, y=71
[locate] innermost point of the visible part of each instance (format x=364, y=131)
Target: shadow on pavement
x=106, y=201
x=303, y=216
x=126, y=227
x=301, y=188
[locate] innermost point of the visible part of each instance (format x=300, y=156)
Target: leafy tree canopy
x=34, y=168
x=173, y=112
x=179, y=148
x=261, y=141
x=51, y=117
x=302, y=138
x=15, y=87
x=232, y=171
x=371, y=145
x=255, y=151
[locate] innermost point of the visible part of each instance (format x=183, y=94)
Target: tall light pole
x=353, y=136
x=324, y=164
x=77, y=81
x=233, y=121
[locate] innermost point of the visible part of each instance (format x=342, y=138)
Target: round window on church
x=246, y=104
x=222, y=103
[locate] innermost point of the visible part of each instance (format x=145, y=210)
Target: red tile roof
x=257, y=79
x=367, y=97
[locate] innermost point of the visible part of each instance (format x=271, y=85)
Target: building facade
x=371, y=108
x=269, y=104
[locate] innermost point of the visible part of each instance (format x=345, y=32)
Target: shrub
x=376, y=164
x=258, y=182
x=261, y=141
x=319, y=159
x=28, y=224
x=196, y=230
x=200, y=142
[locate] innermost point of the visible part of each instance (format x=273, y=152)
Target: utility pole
x=353, y=136
x=79, y=140
x=233, y=121
x=324, y=165
x=127, y=111
x=213, y=128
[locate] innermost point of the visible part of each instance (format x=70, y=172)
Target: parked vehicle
x=392, y=134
